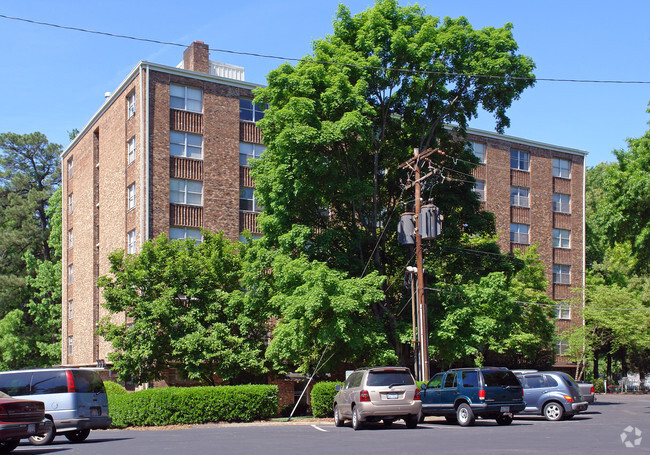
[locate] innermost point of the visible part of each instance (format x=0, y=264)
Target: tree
x=185, y=303
x=340, y=122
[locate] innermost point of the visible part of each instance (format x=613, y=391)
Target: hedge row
x=191, y=405
x=322, y=398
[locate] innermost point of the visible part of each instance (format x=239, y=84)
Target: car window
x=87, y=381
x=14, y=384
x=450, y=380
x=386, y=378
x=568, y=379
x=45, y=382
x=352, y=379
x=436, y=381
x=470, y=379
x=498, y=378
x=535, y=381
x=551, y=381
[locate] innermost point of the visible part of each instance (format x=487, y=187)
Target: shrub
x=113, y=388
x=322, y=398
x=599, y=385
x=191, y=405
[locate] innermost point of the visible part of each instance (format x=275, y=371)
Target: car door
x=431, y=395
x=351, y=392
x=449, y=392
x=535, y=388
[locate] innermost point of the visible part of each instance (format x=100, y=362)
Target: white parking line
x=319, y=429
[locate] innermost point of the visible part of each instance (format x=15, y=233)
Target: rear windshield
x=87, y=381
x=569, y=380
x=386, y=378
x=498, y=378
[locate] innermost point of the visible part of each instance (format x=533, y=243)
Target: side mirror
x=423, y=387
x=337, y=387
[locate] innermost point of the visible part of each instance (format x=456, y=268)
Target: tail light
x=592, y=390
x=481, y=394
x=568, y=398
x=364, y=396
x=70, y=381
x=3, y=411
x=417, y=396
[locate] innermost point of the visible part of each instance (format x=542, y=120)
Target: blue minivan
x=75, y=399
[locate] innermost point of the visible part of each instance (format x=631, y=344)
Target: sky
x=53, y=80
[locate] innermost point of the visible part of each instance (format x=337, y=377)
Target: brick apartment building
x=168, y=150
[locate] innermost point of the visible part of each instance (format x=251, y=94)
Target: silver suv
x=380, y=393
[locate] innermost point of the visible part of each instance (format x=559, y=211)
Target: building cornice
x=522, y=141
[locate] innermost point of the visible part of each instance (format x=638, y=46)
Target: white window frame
x=70, y=273
x=130, y=104
x=130, y=242
x=185, y=233
x=478, y=149
x=248, y=195
x=561, y=168
x=70, y=203
x=186, y=190
x=520, y=233
x=178, y=139
x=131, y=150
x=518, y=159
x=70, y=238
x=70, y=345
x=253, y=111
x=561, y=238
x=185, y=102
x=479, y=189
x=130, y=191
x=561, y=203
x=520, y=196
x=70, y=309
x=70, y=168
x=562, y=346
x=561, y=274
x=249, y=151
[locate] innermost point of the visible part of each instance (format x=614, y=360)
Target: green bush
x=599, y=385
x=113, y=388
x=322, y=398
x=191, y=405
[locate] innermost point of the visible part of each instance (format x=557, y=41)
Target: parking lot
x=604, y=429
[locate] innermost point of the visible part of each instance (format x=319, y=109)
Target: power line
x=351, y=65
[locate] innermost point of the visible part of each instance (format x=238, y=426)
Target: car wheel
x=338, y=421
x=43, y=439
x=356, y=423
x=388, y=423
x=412, y=421
x=553, y=411
x=77, y=436
x=451, y=420
x=420, y=417
x=465, y=415
x=9, y=445
x=504, y=419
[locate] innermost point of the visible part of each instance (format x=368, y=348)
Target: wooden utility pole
x=421, y=300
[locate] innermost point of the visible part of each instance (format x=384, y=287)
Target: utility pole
x=421, y=300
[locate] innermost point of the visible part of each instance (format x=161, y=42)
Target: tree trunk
x=596, y=374
x=609, y=366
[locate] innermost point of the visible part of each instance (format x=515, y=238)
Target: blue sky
x=54, y=80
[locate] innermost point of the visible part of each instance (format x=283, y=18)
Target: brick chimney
x=197, y=57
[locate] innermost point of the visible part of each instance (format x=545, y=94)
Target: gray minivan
x=75, y=399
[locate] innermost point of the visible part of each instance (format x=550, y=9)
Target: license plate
x=505, y=408
x=391, y=396
x=31, y=428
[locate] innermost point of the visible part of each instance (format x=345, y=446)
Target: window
x=519, y=160
x=479, y=151
x=436, y=381
x=70, y=309
x=562, y=347
x=450, y=380
x=248, y=152
x=519, y=233
x=479, y=189
x=70, y=346
x=561, y=203
x=131, y=196
x=70, y=168
x=470, y=378
x=186, y=98
x=186, y=145
x=561, y=238
x=561, y=274
x=185, y=192
x=184, y=233
x=131, y=150
x=244, y=239
x=563, y=311
x=247, y=201
x=70, y=203
x=561, y=168
x=130, y=242
x=70, y=273
x=249, y=111
x=70, y=238
x=519, y=196
x=130, y=104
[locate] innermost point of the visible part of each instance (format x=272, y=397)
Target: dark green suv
x=462, y=394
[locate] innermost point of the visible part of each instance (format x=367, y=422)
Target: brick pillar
x=197, y=57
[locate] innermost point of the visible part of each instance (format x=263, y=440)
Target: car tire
x=421, y=417
x=8, y=445
x=412, y=421
x=338, y=421
x=465, y=415
x=452, y=420
x=504, y=419
x=553, y=411
x=77, y=436
x=44, y=439
x=388, y=422
x=356, y=422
